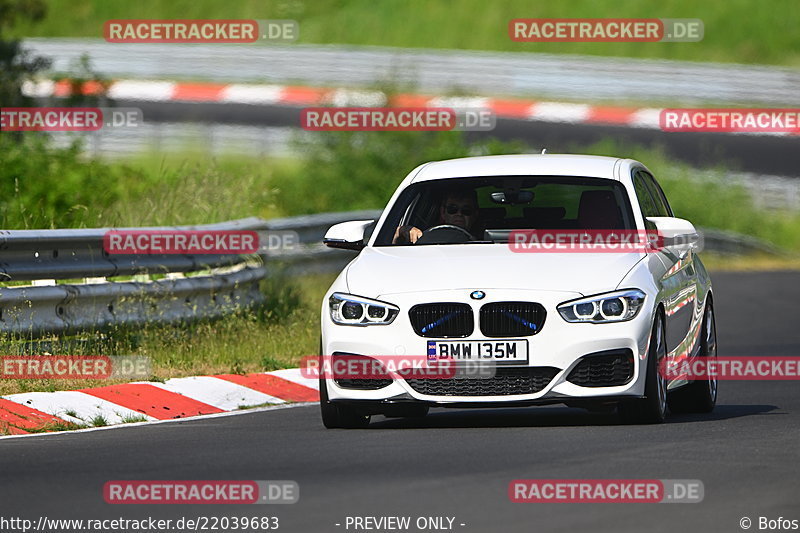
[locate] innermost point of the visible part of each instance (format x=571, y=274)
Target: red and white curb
x=289, y=95
x=176, y=398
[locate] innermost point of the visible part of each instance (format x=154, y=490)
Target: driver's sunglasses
x=452, y=209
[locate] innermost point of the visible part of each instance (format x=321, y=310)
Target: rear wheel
x=652, y=409
x=700, y=396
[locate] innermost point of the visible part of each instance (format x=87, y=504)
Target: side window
x=658, y=195
x=646, y=202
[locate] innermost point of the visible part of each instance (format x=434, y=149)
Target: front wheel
x=652, y=409
x=700, y=396
x=339, y=416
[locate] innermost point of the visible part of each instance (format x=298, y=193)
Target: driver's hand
x=406, y=234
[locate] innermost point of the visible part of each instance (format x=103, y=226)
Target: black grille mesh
x=442, y=320
x=363, y=384
x=603, y=370
x=512, y=319
x=373, y=369
x=506, y=382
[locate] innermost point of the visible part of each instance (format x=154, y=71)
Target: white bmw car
x=442, y=276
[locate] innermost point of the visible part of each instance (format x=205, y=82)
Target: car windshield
x=485, y=210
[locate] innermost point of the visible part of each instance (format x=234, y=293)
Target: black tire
x=699, y=396
x=330, y=414
x=652, y=409
x=338, y=416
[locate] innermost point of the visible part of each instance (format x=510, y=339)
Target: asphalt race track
x=460, y=463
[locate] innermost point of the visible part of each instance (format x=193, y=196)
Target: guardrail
x=70, y=292
x=731, y=243
x=489, y=73
x=70, y=271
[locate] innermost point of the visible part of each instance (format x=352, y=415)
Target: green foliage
x=282, y=297
x=131, y=419
x=740, y=31
x=13, y=12
x=16, y=64
x=98, y=421
x=47, y=187
x=709, y=198
x=194, y=189
x=344, y=171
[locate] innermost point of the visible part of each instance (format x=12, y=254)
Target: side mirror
x=347, y=235
x=676, y=234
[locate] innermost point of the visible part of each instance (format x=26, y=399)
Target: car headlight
x=349, y=310
x=615, y=306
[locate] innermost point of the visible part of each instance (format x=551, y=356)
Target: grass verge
x=259, y=340
x=337, y=172
x=740, y=31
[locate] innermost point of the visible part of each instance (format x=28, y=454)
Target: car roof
x=520, y=165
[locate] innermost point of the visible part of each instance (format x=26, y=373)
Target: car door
x=680, y=281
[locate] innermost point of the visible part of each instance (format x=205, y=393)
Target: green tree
x=17, y=65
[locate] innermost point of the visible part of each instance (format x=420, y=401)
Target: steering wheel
x=444, y=234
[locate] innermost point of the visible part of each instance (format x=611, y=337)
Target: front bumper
x=559, y=345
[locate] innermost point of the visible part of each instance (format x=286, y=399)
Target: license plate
x=506, y=351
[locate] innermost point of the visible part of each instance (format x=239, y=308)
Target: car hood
x=391, y=270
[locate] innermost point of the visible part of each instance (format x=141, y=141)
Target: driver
x=459, y=207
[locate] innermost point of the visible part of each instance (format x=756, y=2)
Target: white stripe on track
x=85, y=406
x=294, y=375
x=220, y=393
x=156, y=91
x=252, y=94
x=161, y=422
x=646, y=118
x=558, y=112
